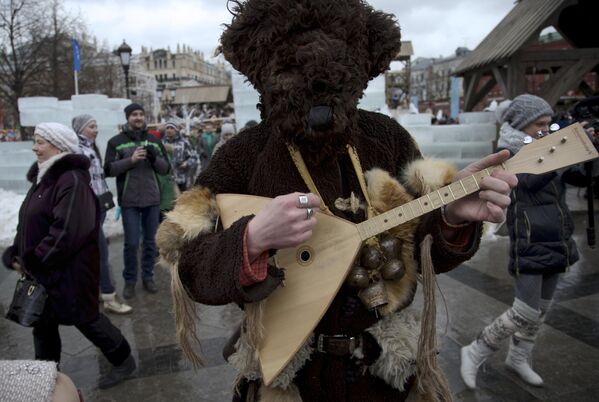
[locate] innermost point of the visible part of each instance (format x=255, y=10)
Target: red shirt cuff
x=463, y=239
x=255, y=272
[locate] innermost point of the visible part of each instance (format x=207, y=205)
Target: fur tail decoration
x=185, y=319
x=195, y=213
x=432, y=384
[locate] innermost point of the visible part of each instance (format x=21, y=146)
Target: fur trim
x=64, y=163
x=195, y=212
x=425, y=175
x=245, y=360
x=397, y=335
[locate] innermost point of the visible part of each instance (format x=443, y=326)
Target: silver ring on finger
x=303, y=201
x=309, y=213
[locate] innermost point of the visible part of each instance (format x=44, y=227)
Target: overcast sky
x=435, y=27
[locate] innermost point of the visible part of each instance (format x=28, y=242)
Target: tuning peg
x=564, y=139
x=553, y=149
x=527, y=139
x=554, y=127
x=541, y=159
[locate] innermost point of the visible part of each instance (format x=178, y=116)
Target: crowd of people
x=9, y=135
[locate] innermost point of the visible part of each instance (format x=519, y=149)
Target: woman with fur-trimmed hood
x=311, y=61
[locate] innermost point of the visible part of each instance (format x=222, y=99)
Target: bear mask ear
x=238, y=42
x=384, y=41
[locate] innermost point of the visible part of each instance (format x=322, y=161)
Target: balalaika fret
x=316, y=270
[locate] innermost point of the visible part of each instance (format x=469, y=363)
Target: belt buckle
x=353, y=342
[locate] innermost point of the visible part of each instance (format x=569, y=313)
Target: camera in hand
x=587, y=111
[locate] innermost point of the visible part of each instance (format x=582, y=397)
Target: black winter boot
x=118, y=374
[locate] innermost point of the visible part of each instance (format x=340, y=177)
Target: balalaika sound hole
x=304, y=255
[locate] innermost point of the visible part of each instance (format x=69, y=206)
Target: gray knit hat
x=80, y=122
x=524, y=110
x=61, y=136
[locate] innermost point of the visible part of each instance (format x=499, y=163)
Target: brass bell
x=371, y=257
x=393, y=270
x=374, y=296
x=391, y=247
x=358, y=278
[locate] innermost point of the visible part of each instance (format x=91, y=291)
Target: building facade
x=185, y=65
x=430, y=80
x=183, y=68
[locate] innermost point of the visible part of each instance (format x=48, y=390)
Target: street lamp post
x=124, y=52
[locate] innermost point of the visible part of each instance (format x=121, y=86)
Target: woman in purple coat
x=57, y=244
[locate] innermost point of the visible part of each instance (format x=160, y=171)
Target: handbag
x=106, y=201
x=28, y=302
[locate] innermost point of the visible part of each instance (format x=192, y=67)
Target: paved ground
x=567, y=355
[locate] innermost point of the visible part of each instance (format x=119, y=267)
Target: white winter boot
x=473, y=356
x=519, y=360
x=113, y=305
x=518, y=317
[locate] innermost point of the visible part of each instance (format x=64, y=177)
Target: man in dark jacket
x=135, y=158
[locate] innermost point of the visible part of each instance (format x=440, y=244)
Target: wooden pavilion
x=508, y=55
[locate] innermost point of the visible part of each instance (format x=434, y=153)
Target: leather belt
x=338, y=345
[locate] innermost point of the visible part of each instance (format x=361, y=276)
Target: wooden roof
x=202, y=94
x=406, y=51
x=512, y=33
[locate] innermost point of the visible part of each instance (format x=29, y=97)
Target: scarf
x=510, y=138
x=47, y=164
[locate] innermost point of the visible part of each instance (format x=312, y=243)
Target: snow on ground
x=10, y=203
x=9, y=215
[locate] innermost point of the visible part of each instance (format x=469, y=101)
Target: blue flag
x=76, y=55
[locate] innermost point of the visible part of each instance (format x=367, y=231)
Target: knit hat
x=61, y=136
x=132, y=108
x=80, y=122
x=524, y=110
x=171, y=124
x=227, y=128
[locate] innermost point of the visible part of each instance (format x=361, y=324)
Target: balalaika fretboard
x=420, y=206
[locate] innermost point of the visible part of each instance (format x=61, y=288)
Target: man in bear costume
x=311, y=60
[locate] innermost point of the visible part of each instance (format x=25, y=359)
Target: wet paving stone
x=566, y=354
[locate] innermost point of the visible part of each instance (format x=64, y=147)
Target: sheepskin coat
x=258, y=163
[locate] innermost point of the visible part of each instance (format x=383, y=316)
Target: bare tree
x=22, y=64
x=36, y=57
x=101, y=71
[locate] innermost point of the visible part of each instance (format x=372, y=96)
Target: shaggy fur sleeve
x=208, y=262
x=209, y=268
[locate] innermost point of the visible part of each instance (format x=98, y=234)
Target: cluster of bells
x=378, y=261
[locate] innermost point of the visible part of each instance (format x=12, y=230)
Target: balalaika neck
x=420, y=206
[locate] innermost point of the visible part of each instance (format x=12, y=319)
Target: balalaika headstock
x=565, y=147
